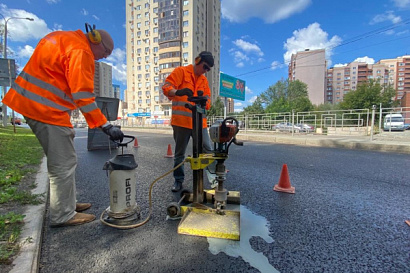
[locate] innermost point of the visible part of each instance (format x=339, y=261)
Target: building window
x=184, y=44
x=185, y=13
x=185, y=23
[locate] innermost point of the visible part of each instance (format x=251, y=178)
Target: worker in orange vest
x=182, y=83
x=58, y=78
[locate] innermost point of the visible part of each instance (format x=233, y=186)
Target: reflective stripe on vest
x=55, y=91
x=39, y=99
x=44, y=85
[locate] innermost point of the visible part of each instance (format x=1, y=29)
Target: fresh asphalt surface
x=347, y=214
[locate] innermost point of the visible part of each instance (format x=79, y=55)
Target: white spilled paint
x=251, y=225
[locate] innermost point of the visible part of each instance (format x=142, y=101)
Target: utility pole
x=4, y=107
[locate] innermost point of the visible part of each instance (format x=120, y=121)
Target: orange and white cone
x=169, y=152
x=284, y=182
x=136, y=143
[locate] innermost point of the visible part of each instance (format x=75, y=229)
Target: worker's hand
x=115, y=133
x=184, y=92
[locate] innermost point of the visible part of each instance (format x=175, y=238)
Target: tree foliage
x=368, y=94
x=255, y=108
x=285, y=96
x=217, y=108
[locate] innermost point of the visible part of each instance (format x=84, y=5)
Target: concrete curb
x=31, y=236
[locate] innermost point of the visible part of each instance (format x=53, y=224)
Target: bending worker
x=182, y=83
x=58, y=78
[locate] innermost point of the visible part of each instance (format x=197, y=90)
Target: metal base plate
x=206, y=223
x=123, y=221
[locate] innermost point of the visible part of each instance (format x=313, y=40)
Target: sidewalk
x=28, y=259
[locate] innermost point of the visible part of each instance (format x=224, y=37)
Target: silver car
x=286, y=126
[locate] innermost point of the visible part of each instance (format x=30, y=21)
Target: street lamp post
x=5, y=57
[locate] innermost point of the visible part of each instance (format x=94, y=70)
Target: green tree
x=255, y=108
x=368, y=94
x=286, y=95
x=217, y=108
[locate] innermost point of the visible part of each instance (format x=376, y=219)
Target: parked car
x=305, y=127
x=393, y=122
x=286, y=126
x=16, y=120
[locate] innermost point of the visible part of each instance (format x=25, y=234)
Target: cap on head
x=205, y=56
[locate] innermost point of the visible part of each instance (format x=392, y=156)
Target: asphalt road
x=347, y=214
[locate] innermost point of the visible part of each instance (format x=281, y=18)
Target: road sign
x=7, y=72
x=142, y=114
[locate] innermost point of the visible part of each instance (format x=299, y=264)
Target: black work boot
x=177, y=186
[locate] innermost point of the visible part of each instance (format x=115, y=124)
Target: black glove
x=115, y=133
x=184, y=92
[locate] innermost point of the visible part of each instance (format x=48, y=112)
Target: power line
x=349, y=41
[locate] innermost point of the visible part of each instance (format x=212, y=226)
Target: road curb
x=27, y=260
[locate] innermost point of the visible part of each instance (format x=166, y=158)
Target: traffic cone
x=136, y=143
x=284, y=182
x=169, y=152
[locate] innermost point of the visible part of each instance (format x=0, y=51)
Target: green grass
x=20, y=155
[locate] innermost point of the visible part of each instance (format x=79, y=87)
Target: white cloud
x=252, y=99
x=387, y=16
x=340, y=65
x=402, y=3
x=118, y=62
x=248, y=47
x=57, y=27
x=53, y=1
x=270, y=11
x=84, y=12
x=238, y=104
x=20, y=30
x=365, y=59
x=275, y=65
x=246, y=53
x=312, y=37
x=248, y=90
x=96, y=17
x=25, y=52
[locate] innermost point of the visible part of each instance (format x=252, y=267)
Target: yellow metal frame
x=203, y=161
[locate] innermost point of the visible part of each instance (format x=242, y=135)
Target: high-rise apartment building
x=309, y=66
x=117, y=91
x=103, y=80
x=341, y=79
x=162, y=35
x=399, y=74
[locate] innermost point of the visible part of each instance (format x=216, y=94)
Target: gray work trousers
x=181, y=137
x=58, y=145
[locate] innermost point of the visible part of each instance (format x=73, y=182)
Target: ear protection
x=93, y=35
x=199, y=58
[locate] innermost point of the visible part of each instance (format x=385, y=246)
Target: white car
x=393, y=122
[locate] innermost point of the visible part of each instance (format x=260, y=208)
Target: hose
x=150, y=204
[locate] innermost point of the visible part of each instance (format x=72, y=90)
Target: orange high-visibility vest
x=184, y=77
x=58, y=78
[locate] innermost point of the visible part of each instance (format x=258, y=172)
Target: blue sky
x=257, y=37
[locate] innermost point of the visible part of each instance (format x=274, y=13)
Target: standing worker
x=182, y=83
x=58, y=78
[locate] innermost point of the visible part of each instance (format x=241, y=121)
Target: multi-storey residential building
x=116, y=91
x=162, y=35
x=103, y=80
x=309, y=66
x=399, y=74
x=341, y=79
